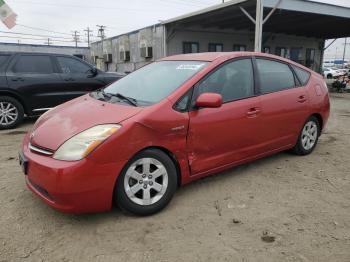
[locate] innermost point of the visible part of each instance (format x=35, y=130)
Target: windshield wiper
x=131, y=101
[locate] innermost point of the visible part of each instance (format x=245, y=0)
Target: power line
x=30, y=38
x=41, y=29
x=16, y=33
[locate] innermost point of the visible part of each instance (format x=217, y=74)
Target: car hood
x=61, y=123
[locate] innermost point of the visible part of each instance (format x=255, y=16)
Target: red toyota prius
x=173, y=121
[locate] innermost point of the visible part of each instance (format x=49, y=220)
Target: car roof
x=212, y=56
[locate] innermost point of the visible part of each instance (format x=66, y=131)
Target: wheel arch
x=319, y=118
x=172, y=157
x=17, y=97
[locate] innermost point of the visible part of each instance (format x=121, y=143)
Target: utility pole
x=76, y=38
x=101, y=34
x=88, y=30
x=48, y=41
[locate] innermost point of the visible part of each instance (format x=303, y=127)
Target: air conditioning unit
x=107, y=58
x=146, y=52
x=124, y=55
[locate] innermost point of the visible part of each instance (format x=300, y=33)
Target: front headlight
x=82, y=144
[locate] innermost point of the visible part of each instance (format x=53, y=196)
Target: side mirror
x=92, y=72
x=209, y=100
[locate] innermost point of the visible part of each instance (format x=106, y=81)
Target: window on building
x=39, y=64
x=295, y=54
x=281, y=51
x=215, y=47
x=239, y=48
x=310, y=57
x=233, y=81
x=302, y=75
x=274, y=76
x=267, y=50
x=72, y=66
x=190, y=47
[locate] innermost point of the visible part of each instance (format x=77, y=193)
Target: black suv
x=32, y=83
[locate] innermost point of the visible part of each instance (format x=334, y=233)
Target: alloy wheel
x=8, y=113
x=146, y=181
x=309, y=135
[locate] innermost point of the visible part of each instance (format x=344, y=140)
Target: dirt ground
x=299, y=206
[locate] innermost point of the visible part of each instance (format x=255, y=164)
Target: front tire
x=147, y=183
x=11, y=112
x=308, y=137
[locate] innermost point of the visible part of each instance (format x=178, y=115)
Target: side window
x=39, y=64
x=70, y=65
x=182, y=104
x=302, y=75
x=274, y=76
x=233, y=81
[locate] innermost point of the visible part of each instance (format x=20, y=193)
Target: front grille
x=38, y=150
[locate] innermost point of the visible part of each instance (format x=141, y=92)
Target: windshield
x=152, y=83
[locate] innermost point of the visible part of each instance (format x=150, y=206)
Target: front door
x=219, y=137
x=77, y=78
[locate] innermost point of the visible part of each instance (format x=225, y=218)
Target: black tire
x=19, y=109
x=329, y=76
x=125, y=203
x=299, y=148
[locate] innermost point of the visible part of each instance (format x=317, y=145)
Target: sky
x=58, y=20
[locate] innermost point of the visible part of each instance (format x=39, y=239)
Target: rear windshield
x=155, y=81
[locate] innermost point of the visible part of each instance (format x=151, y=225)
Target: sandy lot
x=304, y=202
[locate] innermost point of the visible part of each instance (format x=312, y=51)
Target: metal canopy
x=292, y=17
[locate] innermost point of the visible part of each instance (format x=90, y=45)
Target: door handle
x=302, y=99
x=253, y=112
x=17, y=79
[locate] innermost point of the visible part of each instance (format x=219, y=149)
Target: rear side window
x=71, y=65
x=274, y=76
x=302, y=75
x=33, y=64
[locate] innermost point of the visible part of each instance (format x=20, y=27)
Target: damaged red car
x=169, y=123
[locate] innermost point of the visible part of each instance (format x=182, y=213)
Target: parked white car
x=330, y=73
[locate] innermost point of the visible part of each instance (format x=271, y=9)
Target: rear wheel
x=308, y=137
x=147, y=183
x=11, y=112
x=329, y=76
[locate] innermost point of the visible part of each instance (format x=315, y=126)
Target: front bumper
x=73, y=187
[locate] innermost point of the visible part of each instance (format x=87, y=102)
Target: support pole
x=344, y=52
x=258, y=25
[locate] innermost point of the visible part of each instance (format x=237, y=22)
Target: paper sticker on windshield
x=189, y=67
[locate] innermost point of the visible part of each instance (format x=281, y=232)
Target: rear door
x=284, y=104
x=221, y=136
x=77, y=77
x=35, y=78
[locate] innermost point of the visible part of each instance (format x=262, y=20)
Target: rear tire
x=329, y=76
x=11, y=112
x=308, y=137
x=147, y=183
